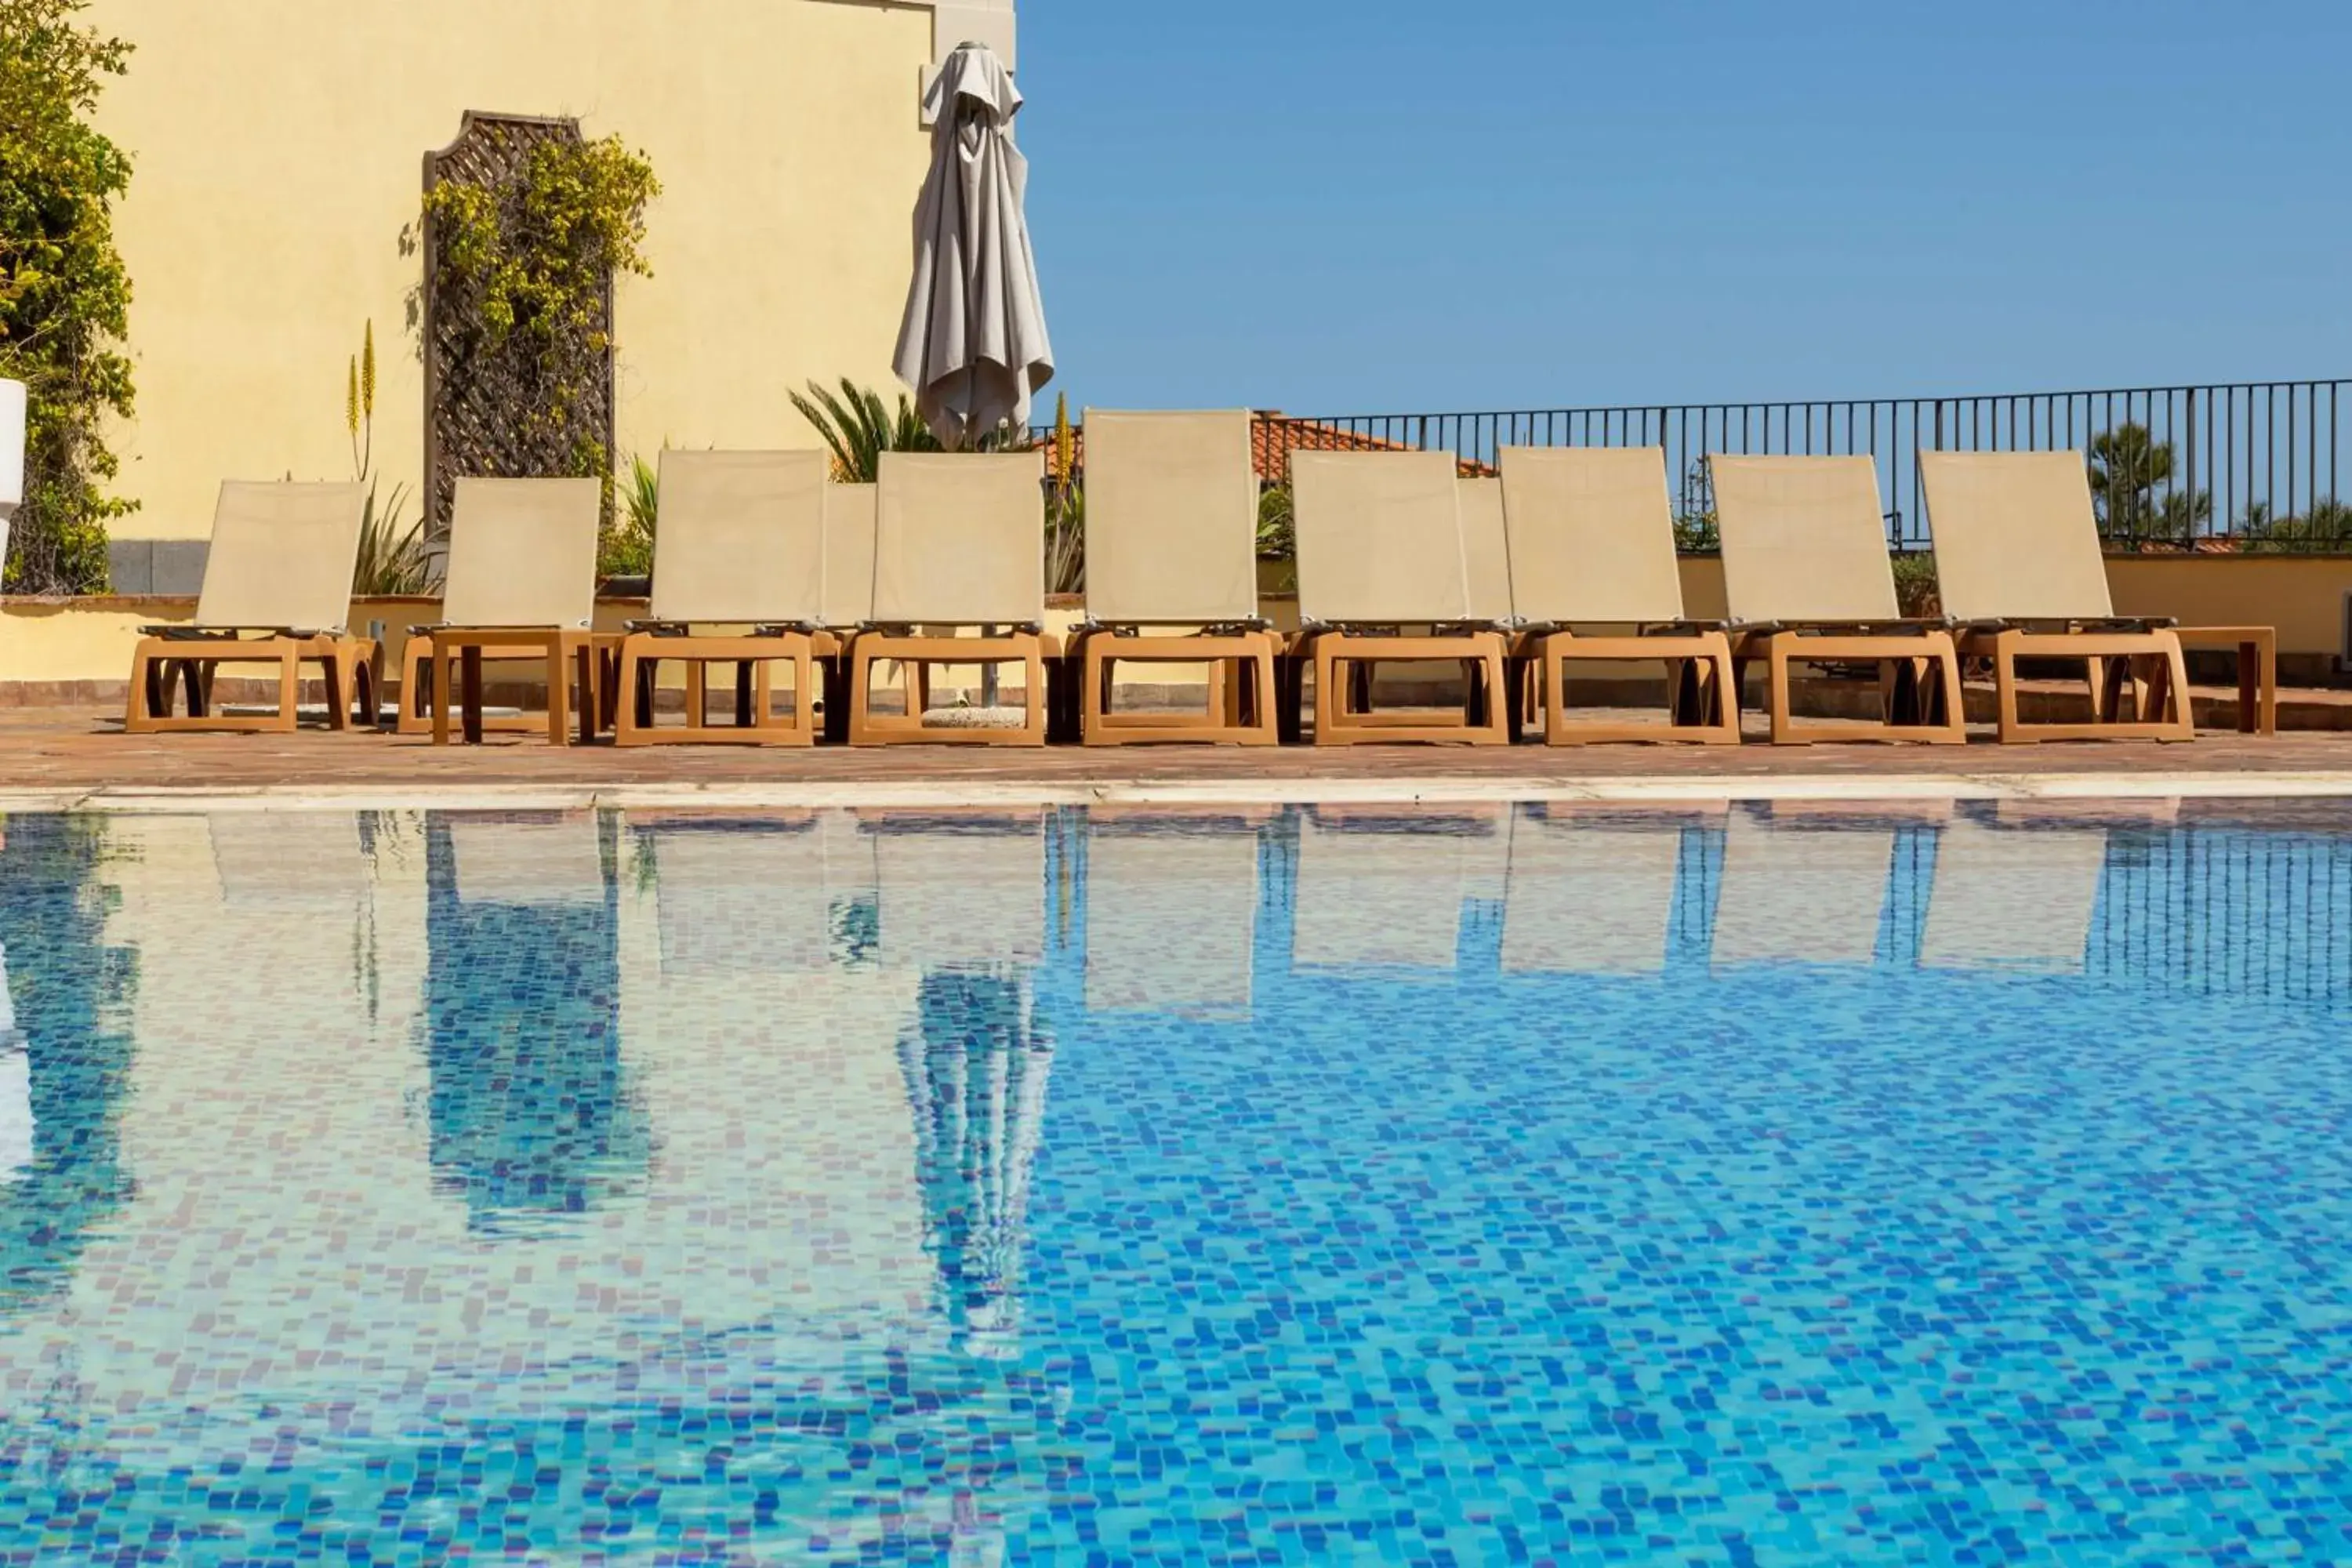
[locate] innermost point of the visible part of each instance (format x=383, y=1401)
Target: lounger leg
x=470, y=693
x=365, y=686
x=1492, y=681
x=591, y=692
x=558, y=696
x=1329, y=699
x=1776, y=675
x=1265, y=721
x=145, y=698
x=2004, y=680
x=1033, y=696
x=1094, y=693
x=339, y=689
x=1721, y=715
x=859, y=668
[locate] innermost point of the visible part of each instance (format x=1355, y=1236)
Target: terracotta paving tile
x=80, y=749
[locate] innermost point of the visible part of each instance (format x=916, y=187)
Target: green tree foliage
x=2128, y=469
x=64, y=293
x=2324, y=529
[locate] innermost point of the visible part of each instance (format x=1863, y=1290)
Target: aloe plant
x=393, y=560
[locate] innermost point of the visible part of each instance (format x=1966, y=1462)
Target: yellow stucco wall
x=279, y=147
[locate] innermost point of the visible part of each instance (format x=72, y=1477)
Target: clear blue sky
x=1338, y=206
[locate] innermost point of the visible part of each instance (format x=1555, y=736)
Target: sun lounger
x=278, y=590
x=959, y=542
x=960, y=893
x=2018, y=561
x=1379, y=891
x=741, y=544
x=2013, y=899
x=1591, y=541
x=1806, y=571
x=1591, y=898
x=1172, y=919
x=1801, y=895
x=1381, y=554
x=521, y=583
x=1172, y=531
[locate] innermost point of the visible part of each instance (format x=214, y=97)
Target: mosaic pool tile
x=1935, y=1186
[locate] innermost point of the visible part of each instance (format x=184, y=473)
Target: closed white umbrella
x=973, y=346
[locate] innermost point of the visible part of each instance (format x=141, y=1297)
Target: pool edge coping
x=933, y=795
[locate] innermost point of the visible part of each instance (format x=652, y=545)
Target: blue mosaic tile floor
x=1513, y=1186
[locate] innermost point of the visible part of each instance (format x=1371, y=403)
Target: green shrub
x=64, y=293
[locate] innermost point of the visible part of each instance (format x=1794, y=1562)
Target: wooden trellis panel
x=481, y=397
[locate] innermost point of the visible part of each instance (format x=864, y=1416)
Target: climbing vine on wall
x=527, y=225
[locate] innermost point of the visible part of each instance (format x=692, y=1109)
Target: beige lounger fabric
x=522, y=553
x=2013, y=899
x=1804, y=540
x=1380, y=538
x=557, y=862
x=741, y=538
x=1589, y=898
x=1377, y=895
x=849, y=555
x=1486, y=550
x=1171, y=518
x=1172, y=920
x=963, y=899
x=2016, y=537
x=282, y=556
x=1799, y=895
x=1591, y=535
x=959, y=539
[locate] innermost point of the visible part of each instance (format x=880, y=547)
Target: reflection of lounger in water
x=742, y=899
x=1172, y=919
x=293, y=860
x=529, y=1112
x=1802, y=895
x=961, y=893
x=2014, y=898
x=1591, y=898
x=1385, y=892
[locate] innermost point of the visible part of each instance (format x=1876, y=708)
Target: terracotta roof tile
x=1273, y=438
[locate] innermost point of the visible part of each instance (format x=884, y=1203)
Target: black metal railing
x=2254, y=464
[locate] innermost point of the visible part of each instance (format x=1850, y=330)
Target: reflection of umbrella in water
x=976, y=1070
x=16, y=1089
x=529, y=1113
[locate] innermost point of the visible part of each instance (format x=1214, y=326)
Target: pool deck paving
x=59, y=759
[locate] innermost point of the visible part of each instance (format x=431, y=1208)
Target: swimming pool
x=1780, y=1185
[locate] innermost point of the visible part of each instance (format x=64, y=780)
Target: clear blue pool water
x=1738, y=1186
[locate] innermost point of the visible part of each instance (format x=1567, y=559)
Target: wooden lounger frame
x=1920, y=675
x=1027, y=646
x=167, y=657
x=1703, y=694
x=1338, y=652
x=1243, y=708
x=458, y=652
x=2139, y=666
x=645, y=648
